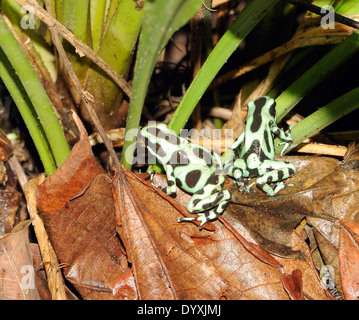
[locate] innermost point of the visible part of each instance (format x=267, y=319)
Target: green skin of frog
x=192, y=168
x=253, y=151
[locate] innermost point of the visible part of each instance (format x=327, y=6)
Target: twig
x=52, y=268
x=86, y=97
x=318, y=10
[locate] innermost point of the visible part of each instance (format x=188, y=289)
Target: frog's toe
x=172, y=194
x=186, y=220
x=271, y=190
x=201, y=218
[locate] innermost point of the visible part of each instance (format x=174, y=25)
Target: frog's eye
x=271, y=122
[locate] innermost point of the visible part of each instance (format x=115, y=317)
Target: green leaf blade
x=252, y=13
x=161, y=19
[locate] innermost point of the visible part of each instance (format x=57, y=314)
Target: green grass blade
x=35, y=92
x=323, y=117
x=111, y=7
x=121, y=37
x=252, y=13
x=75, y=16
x=27, y=112
x=97, y=18
x=317, y=73
x=347, y=7
x=161, y=18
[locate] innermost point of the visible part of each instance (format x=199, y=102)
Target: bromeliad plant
x=112, y=34
x=251, y=15
x=111, y=28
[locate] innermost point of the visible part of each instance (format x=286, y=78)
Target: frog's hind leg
x=279, y=170
x=238, y=170
x=207, y=205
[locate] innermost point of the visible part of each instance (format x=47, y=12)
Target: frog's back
x=258, y=137
x=193, y=166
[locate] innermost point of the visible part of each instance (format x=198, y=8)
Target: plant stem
x=36, y=93
x=27, y=112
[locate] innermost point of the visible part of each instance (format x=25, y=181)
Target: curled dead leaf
x=349, y=259
x=78, y=211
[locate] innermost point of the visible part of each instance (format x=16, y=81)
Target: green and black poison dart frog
x=192, y=168
x=256, y=157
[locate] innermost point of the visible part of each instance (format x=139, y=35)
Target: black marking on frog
x=266, y=139
x=218, y=198
x=257, y=114
x=253, y=172
x=171, y=138
x=291, y=171
x=272, y=110
x=280, y=175
x=178, y=183
x=256, y=149
x=200, y=192
x=195, y=202
x=159, y=150
x=179, y=158
x=202, y=154
x=192, y=178
x=213, y=180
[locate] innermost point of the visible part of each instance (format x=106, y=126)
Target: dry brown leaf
x=17, y=275
x=349, y=259
x=84, y=237
x=177, y=261
x=330, y=193
x=77, y=206
x=335, y=198
x=125, y=287
x=5, y=147
x=270, y=220
x=9, y=204
x=315, y=289
x=71, y=179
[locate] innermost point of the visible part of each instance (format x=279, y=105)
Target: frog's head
x=263, y=109
x=157, y=136
x=155, y=133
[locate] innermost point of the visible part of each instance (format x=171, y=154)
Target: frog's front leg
x=276, y=171
x=207, y=205
x=237, y=168
x=285, y=136
x=171, y=189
